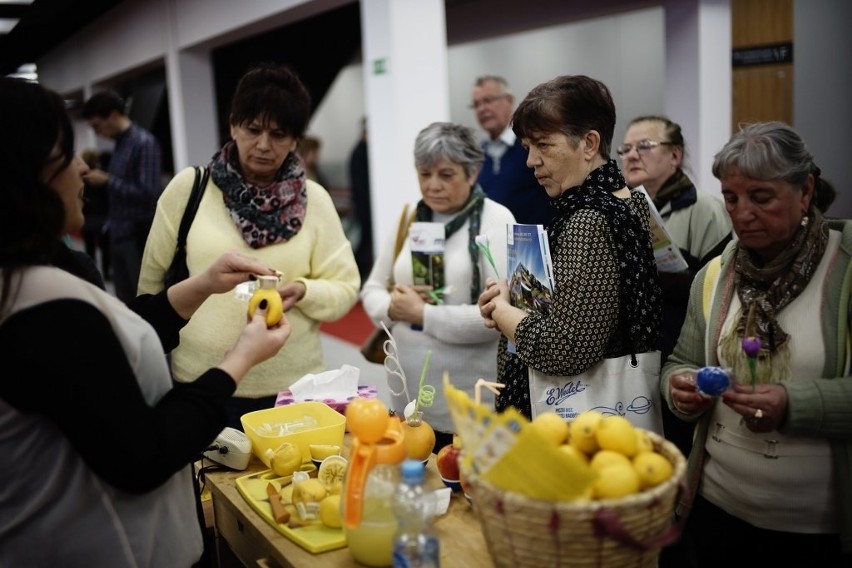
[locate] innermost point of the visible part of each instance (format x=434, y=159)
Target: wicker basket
x=612, y=533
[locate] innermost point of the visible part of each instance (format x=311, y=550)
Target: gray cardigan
x=820, y=407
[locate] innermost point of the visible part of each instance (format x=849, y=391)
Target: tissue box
x=364, y=391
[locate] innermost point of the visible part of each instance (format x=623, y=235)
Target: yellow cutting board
x=314, y=537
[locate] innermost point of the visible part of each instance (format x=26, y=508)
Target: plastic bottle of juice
x=372, y=476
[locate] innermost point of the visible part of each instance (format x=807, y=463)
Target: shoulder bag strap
x=402, y=230
x=202, y=174
x=405, y=221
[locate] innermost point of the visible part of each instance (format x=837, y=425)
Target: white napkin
x=337, y=384
x=439, y=503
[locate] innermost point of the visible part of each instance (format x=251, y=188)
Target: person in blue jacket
x=505, y=176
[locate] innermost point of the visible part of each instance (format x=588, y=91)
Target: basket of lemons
x=591, y=492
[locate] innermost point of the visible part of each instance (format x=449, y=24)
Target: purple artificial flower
x=751, y=346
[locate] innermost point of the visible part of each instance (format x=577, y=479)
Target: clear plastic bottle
x=415, y=544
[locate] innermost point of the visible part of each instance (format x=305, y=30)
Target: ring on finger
x=758, y=414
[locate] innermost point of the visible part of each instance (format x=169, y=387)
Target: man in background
x=133, y=183
x=505, y=176
x=359, y=177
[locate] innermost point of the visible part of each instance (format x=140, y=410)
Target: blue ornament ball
x=712, y=380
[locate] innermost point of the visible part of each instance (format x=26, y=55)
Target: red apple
x=447, y=462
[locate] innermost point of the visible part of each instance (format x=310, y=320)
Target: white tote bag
x=613, y=386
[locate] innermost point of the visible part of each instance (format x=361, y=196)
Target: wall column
x=406, y=88
x=698, y=80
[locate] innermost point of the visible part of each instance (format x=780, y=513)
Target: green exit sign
x=380, y=66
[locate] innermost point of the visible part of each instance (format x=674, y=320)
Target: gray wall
x=602, y=47
x=822, y=90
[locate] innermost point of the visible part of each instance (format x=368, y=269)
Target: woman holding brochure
x=441, y=329
x=606, y=299
x=652, y=156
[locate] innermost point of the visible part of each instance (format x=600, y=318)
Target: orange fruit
x=419, y=437
x=367, y=419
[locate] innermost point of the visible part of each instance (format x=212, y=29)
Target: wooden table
x=244, y=535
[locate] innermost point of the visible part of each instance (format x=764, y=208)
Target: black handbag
x=177, y=270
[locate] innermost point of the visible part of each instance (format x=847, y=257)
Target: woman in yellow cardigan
x=258, y=200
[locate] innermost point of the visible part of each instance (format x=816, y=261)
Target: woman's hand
x=685, y=396
x=221, y=276
x=230, y=269
x=256, y=344
x=406, y=304
x=494, y=292
x=763, y=408
x=291, y=293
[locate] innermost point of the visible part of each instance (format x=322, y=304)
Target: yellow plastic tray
x=315, y=537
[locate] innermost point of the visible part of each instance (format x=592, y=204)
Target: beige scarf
x=769, y=288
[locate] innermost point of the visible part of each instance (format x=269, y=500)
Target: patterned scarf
x=640, y=297
x=472, y=210
x=769, y=288
x=264, y=215
x=671, y=188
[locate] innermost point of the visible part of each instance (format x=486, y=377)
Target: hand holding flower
x=751, y=346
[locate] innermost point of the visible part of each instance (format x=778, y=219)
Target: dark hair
x=570, y=104
x=671, y=130
x=103, y=104
x=32, y=216
x=769, y=151
x=272, y=92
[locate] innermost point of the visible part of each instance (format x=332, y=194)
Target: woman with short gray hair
x=447, y=158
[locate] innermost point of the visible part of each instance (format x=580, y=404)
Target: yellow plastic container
x=302, y=423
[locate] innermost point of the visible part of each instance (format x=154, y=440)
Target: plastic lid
x=412, y=471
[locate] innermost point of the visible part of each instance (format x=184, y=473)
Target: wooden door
x=762, y=75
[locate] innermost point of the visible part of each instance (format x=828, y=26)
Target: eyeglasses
x=486, y=101
x=642, y=147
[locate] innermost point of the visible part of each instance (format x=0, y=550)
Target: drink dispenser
x=371, y=479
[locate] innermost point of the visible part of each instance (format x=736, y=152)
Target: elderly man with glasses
x=505, y=176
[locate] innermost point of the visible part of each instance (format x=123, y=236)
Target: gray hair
x=447, y=141
x=766, y=151
x=504, y=85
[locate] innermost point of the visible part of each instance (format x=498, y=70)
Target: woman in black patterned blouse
x=606, y=300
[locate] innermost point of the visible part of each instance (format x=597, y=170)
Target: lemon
x=583, y=429
x=267, y=290
x=644, y=443
x=616, y=480
x=652, y=468
x=321, y=451
x=331, y=472
x=286, y=494
x=603, y=458
x=617, y=433
x=574, y=453
x=329, y=511
x=307, y=496
x=551, y=426
x=286, y=459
